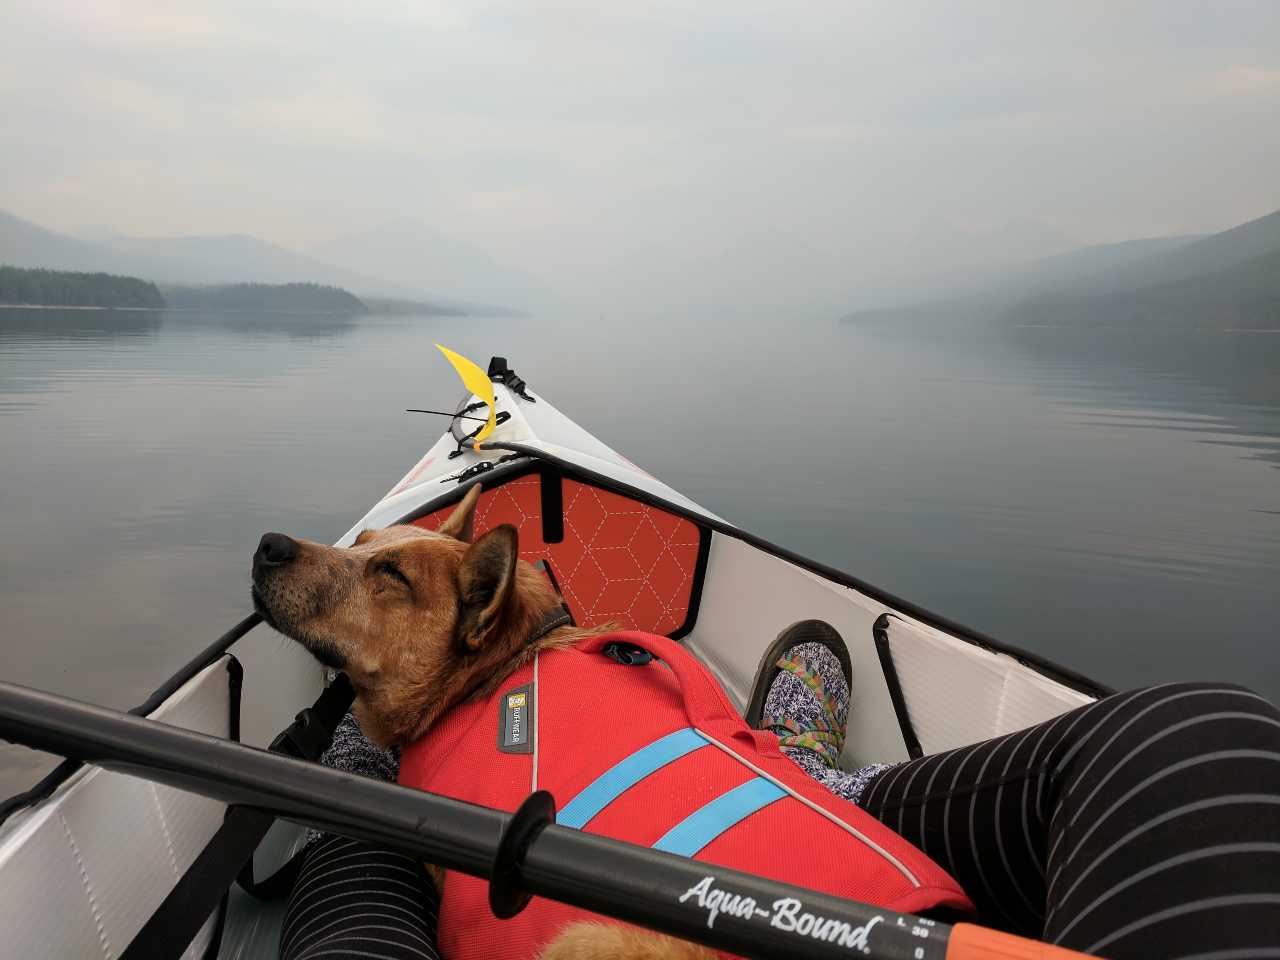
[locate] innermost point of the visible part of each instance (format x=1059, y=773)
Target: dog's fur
x=422, y=621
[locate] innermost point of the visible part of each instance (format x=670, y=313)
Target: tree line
x=60, y=288
x=39, y=287
x=300, y=297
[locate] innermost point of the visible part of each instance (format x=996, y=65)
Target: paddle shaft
x=726, y=909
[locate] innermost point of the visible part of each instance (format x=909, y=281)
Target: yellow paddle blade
x=477, y=381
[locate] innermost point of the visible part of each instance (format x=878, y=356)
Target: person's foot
x=807, y=706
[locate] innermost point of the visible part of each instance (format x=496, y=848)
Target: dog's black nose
x=275, y=549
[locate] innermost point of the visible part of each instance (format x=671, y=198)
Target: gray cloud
x=718, y=154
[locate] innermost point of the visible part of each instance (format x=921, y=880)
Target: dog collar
x=559, y=617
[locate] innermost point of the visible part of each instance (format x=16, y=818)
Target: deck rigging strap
x=228, y=856
x=484, y=466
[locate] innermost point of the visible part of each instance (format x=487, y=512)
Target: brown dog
x=421, y=621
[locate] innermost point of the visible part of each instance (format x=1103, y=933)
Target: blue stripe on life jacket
x=625, y=774
x=712, y=819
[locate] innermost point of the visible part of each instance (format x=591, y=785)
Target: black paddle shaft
x=725, y=909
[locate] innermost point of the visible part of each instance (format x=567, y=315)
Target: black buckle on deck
x=499, y=372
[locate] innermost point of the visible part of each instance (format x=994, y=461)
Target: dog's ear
x=364, y=536
x=459, y=525
x=485, y=585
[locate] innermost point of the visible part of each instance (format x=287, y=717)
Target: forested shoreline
x=60, y=288
x=39, y=287
x=282, y=297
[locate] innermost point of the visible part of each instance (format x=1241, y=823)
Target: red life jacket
x=658, y=757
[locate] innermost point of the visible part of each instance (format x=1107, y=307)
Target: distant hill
x=205, y=260
x=1207, y=255
x=283, y=298
x=479, y=284
x=416, y=257
x=1245, y=296
x=1225, y=280
x=235, y=258
x=24, y=244
x=939, y=246
x=69, y=289
x=977, y=292
x=1089, y=263
x=940, y=261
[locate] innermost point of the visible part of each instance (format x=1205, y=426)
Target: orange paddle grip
x=971, y=942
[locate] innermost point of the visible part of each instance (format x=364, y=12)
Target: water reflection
x=293, y=326
x=53, y=325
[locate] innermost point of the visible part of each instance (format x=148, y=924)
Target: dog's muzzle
x=274, y=550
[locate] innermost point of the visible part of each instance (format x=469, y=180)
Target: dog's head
x=418, y=619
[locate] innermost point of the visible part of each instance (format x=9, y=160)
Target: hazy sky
x=713, y=148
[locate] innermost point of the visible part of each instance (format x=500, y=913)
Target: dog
x=421, y=621
x=430, y=625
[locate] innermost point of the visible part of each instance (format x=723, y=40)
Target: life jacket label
x=515, y=720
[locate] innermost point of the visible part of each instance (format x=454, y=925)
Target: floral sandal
x=811, y=711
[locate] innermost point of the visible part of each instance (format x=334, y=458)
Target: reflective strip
x=536, y=710
x=709, y=821
x=625, y=774
x=820, y=811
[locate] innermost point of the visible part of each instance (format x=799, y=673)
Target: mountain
x=941, y=262
x=938, y=246
x=24, y=244
x=1225, y=280
x=235, y=258
x=1207, y=255
x=1075, y=265
x=470, y=282
x=418, y=258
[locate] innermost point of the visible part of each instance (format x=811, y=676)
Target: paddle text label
x=787, y=914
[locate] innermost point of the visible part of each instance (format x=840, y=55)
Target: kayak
x=88, y=855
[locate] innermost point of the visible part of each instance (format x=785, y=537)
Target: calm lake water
x=1107, y=499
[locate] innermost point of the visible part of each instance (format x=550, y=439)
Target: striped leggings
x=355, y=900
x=1146, y=825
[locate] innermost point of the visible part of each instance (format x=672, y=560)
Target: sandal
x=823, y=734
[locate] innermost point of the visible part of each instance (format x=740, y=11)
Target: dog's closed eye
x=389, y=570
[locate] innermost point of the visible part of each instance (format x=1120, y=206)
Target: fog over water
x=1107, y=499
x=729, y=156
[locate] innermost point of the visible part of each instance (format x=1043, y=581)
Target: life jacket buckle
x=627, y=654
